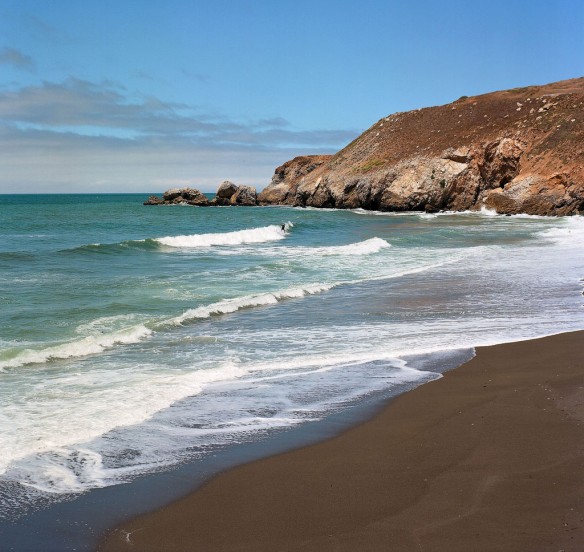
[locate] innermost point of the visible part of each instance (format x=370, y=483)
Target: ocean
x=136, y=339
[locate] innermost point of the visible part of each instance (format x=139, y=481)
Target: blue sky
x=132, y=95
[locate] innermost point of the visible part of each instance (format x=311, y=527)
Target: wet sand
x=489, y=457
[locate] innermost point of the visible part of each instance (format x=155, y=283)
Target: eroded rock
x=479, y=151
x=245, y=195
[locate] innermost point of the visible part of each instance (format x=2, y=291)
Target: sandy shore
x=490, y=457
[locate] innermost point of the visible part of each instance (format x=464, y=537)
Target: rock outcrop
x=520, y=150
x=245, y=195
x=178, y=196
x=227, y=194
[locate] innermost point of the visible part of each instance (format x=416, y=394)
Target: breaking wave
x=571, y=231
x=263, y=234
x=253, y=235
x=89, y=345
x=366, y=247
x=102, y=341
x=228, y=306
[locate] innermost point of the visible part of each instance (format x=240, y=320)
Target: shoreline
x=77, y=524
x=488, y=457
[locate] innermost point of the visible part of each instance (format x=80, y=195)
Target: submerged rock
x=153, y=200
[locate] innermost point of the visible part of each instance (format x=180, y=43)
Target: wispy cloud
x=84, y=107
x=79, y=134
x=10, y=56
x=199, y=77
x=42, y=30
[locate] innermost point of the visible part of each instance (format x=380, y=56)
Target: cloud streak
x=15, y=58
x=79, y=135
x=78, y=106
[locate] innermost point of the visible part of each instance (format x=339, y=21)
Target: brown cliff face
x=519, y=150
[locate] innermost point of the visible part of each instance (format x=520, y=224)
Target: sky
x=144, y=95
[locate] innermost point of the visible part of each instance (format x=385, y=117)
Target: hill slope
x=519, y=150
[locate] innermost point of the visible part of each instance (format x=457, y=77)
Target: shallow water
x=137, y=338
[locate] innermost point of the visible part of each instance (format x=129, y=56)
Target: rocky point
x=514, y=151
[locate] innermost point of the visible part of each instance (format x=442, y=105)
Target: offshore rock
x=153, y=200
x=514, y=151
x=225, y=192
x=245, y=195
x=178, y=196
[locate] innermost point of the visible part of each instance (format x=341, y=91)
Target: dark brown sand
x=488, y=458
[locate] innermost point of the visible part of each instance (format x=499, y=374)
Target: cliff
x=519, y=150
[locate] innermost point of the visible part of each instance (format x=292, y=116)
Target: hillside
x=518, y=150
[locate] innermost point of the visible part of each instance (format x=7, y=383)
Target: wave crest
x=366, y=247
x=253, y=235
x=228, y=306
x=89, y=345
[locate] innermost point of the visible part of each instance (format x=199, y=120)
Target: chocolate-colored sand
x=490, y=457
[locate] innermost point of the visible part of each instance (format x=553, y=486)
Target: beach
x=488, y=457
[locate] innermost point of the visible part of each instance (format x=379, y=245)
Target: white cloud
x=80, y=136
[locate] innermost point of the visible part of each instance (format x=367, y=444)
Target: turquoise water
x=134, y=338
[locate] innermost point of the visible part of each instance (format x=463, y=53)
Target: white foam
x=80, y=408
x=570, y=231
x=57, y=455
x=105, y=324
x=253, y=235
x=228, y=306
x=89, y=345
x=488, y=212
x=366, y=247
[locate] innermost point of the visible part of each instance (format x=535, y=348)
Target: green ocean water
x=133, y=338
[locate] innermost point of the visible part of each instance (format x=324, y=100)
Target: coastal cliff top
x=537, y=110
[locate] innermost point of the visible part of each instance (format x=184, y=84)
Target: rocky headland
x=514, y=151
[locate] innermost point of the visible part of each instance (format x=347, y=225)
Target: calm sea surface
x=134, y=338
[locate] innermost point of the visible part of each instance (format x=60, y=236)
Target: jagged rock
x=225, y=192
x=176, y=196
x=460, y=155
x=172, y=194
x=501, y=162
x=501, y=203
x=245, y=195
x=194, y=197
x=287, y=177
x=478, y=151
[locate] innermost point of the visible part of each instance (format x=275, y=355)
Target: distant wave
x=114, y=248
x=239, y=237
x=366, y=247
x=482, y=212
x=16, y=256
x=253, y=235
